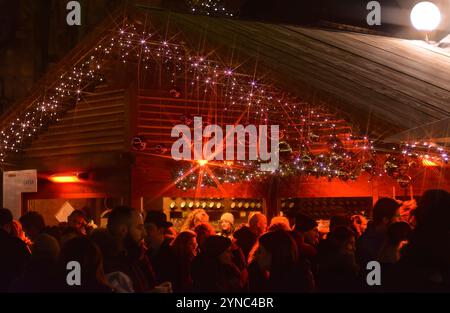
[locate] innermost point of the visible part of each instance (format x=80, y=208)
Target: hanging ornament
x=285, y=147
x=138, y=143
x=404, y=181
x=335, y=145
x=285, y=151
x=314, y=137
x=370, y=167
x=343, y=175
x=391, y=166
x=175, y=92
x=303, y=147
x=306, y=158
x=160, y=149
x=413, y=163
x=335, y=157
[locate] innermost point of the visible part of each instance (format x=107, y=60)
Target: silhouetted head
x=339, y=220
x=6, y=219
x=218, y=248
x=194, y=218
x=89, y=258
x=226, y=223
x=185, y=245
x=125, y=223
x=45, y=247
x=78, y=220
x=343, y=238
x=385, y=211
x=307, y=227
x=156, y=226
x=433, y=210
x=203, y=231
x=258, y=223
x=279, y=223
x=277, y=251
x=33, y=224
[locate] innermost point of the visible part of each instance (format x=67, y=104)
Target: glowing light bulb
x=425, y=16
x=202, y=162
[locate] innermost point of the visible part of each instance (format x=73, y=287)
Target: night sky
x=395, y=13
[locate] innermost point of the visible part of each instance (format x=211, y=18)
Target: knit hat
x=227, y=217
x=215, y=245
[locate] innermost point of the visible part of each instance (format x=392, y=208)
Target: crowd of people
x=137, y=253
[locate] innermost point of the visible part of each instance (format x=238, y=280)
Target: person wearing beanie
x=213, y=269
x=226, y=225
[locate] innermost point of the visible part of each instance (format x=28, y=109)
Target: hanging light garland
x=346, y=166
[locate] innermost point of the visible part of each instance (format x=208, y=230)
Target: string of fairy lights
x=342, y=165
x=314, y=142
x=210, y=8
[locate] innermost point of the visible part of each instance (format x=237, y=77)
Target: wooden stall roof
x=389, y=87
x=385, y=85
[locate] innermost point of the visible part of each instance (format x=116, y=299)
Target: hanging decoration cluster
x=406, y=156
x=345, y=165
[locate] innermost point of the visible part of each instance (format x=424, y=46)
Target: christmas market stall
x=359, y=116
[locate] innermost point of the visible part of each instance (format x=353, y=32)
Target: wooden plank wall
x=93, y=138
x=95, y=125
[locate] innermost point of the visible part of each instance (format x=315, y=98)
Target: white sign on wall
x=63, y=214
x=14, y=184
